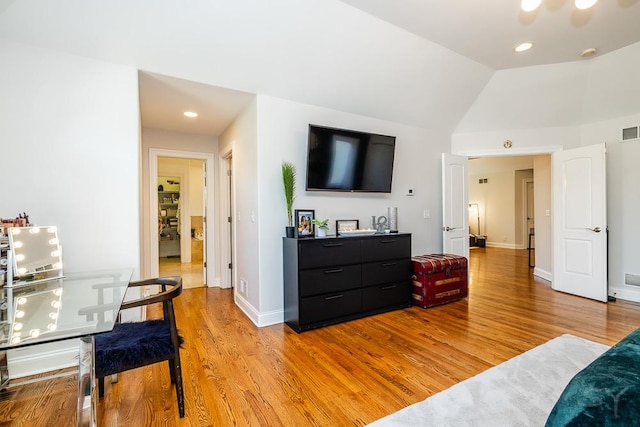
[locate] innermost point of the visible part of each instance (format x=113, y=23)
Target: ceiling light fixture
x=190, y=114
x=523, y=47
x=585, y=4
x=530, y=5
x=588, y=53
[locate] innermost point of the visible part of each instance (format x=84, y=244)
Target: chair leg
x=177, y=373
x=172, y=363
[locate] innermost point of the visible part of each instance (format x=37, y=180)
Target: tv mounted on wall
x=347, y=160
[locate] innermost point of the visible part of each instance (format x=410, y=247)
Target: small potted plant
x=323, y=226
x=289, y=184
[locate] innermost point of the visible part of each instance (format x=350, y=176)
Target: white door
x=580, y=222
x=455, y=205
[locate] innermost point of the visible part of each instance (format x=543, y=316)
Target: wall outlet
x=244, y=287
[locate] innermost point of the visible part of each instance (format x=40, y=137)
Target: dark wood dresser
x=335, y=279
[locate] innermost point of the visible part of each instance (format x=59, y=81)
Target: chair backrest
x=170, y=286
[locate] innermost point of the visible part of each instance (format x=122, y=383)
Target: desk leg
x=86, y=383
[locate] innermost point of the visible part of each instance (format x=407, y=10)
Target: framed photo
x=303, y=222
x=347, y=224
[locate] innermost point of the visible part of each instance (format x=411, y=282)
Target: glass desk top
x=77, y=305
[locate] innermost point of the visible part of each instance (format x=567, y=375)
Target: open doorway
x=180, y=218
x=505, y=201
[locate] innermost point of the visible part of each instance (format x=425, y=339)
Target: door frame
x=152, y=215
x=525, y=151
x=227, y=203
x=525, y=210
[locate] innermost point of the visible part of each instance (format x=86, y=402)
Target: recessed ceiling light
x=523, y=47
x=190, y=114
x=588, y=53
x=585, y=4
x=530, y=5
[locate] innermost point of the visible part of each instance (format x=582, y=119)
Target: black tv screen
x=346, y=160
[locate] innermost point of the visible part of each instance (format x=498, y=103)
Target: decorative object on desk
x=357, y=233
x=379, y=224
x=304, y=224
x=347, y=225
x=323, y=226
x=289, y=185
x=392, y=213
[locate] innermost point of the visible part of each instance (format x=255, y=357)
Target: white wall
x=543, y=226
x=70, y=144
x=241, y=140
x=282, y=135
x=499, y=200
x=623, y=205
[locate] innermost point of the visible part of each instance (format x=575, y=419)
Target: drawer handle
x=331, y=245
x=337, y=270
x=333, y=297
x=388, y=241
x=388, y=264
x=385, y=288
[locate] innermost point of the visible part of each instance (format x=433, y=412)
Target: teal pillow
x=606, y=392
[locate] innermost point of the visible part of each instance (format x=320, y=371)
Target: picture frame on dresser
x=347, y=224
x=303, y=223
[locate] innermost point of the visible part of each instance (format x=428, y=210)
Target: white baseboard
x=259, y=319
x=543, y=274
x=502, y=245
x=625, y=292
x=29, y=361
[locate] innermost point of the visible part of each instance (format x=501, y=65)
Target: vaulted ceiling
x=419, y=62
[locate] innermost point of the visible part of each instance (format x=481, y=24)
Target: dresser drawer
x=375, y=273
x=330, y=306
x=326, y=280
x=388, y=295
x=328, y=252
x=390, y=246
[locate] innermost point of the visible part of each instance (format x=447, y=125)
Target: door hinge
x=229, y=266
x=204, y=264
x=228, y=219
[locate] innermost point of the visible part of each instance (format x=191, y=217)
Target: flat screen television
x=347, y=160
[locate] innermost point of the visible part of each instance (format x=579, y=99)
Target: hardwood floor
x=347, y=374
x=191, y=272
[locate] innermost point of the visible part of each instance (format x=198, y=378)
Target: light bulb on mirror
x=585, y=4
x=530, y=5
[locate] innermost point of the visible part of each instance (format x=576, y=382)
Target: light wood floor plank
x=348, y=374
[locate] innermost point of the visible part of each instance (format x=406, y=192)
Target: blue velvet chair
x=132, y=345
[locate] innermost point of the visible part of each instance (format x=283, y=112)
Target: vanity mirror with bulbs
x=34, y=255
x=28, y=255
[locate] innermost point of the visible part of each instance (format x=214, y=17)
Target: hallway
x=191, y=272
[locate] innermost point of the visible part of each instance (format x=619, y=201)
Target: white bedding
x=518, y=392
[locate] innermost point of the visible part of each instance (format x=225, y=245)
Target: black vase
x=290, y=231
